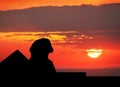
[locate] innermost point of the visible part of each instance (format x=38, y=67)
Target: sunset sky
x=20, y=4
x=73, y=29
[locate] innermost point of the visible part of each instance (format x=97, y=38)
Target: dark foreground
x=61, y=79
x=60, y=76
x=16, y=70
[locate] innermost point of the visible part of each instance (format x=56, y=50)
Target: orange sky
x=20, y=4
x=68, y=52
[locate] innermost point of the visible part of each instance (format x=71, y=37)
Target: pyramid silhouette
x=15, y=65
x=16, y=58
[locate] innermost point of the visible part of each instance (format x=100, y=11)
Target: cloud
x=67, y=37
x=85, y=18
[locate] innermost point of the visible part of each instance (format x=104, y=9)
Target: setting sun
x=94, y=53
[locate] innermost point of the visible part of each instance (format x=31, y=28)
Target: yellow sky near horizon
x=18, y=4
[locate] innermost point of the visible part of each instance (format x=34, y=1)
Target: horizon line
x=59, y=6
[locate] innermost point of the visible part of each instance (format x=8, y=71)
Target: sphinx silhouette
x=39, y=61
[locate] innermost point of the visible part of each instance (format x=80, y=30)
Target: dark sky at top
x=85, y=18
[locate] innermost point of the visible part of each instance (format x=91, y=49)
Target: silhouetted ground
x=15, y=68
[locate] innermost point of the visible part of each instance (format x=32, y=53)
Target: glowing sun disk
x=94, y=53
